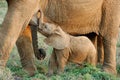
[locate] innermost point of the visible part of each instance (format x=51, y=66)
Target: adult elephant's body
x=74, y=16
x=85, y=16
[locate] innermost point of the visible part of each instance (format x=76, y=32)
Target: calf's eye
x=46, y=27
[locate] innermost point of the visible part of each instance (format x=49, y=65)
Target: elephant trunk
x=34, y=23
x=39, y=53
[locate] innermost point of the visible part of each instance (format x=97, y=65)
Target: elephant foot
x=30, y=70
x=110, y=70
x=42, y=54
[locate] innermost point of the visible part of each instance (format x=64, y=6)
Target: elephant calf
x=67, y=48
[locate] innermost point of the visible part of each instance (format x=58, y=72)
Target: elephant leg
x=109, y=64
x=93, y=38
x=25, y=49
x=91, y=59
x=16, y=19
x=52, y=64
x=62, y=58
x=100, y=50
x=109, y=31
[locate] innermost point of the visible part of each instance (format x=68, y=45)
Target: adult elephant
x=77, y=17
x=82, y=17
x=14, y=30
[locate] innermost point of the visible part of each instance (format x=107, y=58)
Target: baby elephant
x=67, y=48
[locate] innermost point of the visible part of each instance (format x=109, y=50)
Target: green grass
x=3, y=9
x=72, y=72
x=5, y=74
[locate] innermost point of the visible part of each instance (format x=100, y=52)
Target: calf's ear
x=58, y=31
x=57, y=42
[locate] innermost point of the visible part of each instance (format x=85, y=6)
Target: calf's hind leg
x=92, y=57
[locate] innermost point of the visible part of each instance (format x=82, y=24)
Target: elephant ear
x=58, y=40
x=59, y=31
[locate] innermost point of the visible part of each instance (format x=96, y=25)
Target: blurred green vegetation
x=15, y=71
x=3, y=10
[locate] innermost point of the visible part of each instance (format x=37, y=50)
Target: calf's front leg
x=52, y=64
x=62, y=58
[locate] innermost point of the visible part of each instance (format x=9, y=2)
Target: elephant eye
x=46, y=27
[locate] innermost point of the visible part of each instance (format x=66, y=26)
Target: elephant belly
x=75, y=16
x=78, y=58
